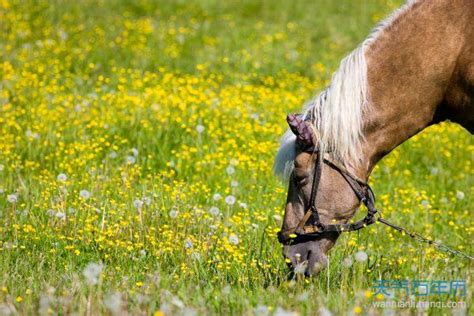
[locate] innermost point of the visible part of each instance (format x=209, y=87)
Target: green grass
x=84, y=84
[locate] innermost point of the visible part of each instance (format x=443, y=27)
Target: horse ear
x=300, y=128
x=294, y=122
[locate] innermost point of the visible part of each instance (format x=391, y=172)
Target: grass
x=128, y=127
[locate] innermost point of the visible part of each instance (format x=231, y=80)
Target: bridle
x=310, y=226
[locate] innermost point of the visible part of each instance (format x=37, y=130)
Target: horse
x=415, y=69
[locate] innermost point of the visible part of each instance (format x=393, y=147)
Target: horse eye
x=300, y=180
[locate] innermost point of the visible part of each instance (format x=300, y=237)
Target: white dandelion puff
x=62, y=177
x=12, y=198
x=234, y=239
x=214, y=211
x=230, y=170
x=216, y=197
x=200, y=129
x=113, y=302
x=173, y=213
x=60, y=215
x=130, y=160
x=188, y=244
x=361, y=256
x=138, y=204
x=84, y=194
x=347, y=262
x=230, y=200
x=92, y=273
x=460, y=195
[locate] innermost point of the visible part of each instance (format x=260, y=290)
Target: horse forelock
x=337, y=113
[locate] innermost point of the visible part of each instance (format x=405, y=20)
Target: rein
x=310, y=226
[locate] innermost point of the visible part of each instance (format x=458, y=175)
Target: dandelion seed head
x=361, y=256
x=138, y=204
x=12, y=198
x=214, y=211
x=113, y=302
x=234, y=239
x=84, y=194
x=230, y=170
x=92, y=273
x=230, y=200
x=62, y=177
x=173, y=213
x=200, y=129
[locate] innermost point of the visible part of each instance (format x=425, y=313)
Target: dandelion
x=300, y=267
x=196, y=256
x=85, y=194
x=61, y=177
x=188, y=244
x=261, y=310
x=216, y=197
x=234, y=239
x=434, y=171
x=112, y=155
x=214, y=211
x=200, y=129
x=230, y=200
x=138, y=204
x=283, y=312
x=113, y=302
x=243, y=205
x=277, y=217
x=173, y=213
x=234, y=184
x=147, y=200
x=130, y=160
x=347, y=262
x=92, y=272
x=12, y=198
x=230, y=170
x=361, y=256
x=60, y=215
x=323, y=311
x=357, y=310
x=460, y=195
x=135, y=152
x=2, y=167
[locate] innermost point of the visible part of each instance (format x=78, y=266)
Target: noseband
x=310, y=226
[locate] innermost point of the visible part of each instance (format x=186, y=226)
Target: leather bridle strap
x=313, y=211
x=304, y=231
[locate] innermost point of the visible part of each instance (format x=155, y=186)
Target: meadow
x=136, y=148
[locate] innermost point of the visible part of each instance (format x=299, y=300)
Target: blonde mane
x=337, y=113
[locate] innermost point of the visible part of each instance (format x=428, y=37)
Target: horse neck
x=410, y=65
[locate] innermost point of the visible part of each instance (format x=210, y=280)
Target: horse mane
x=336, y=114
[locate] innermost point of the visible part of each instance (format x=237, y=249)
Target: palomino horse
x=414, y=70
